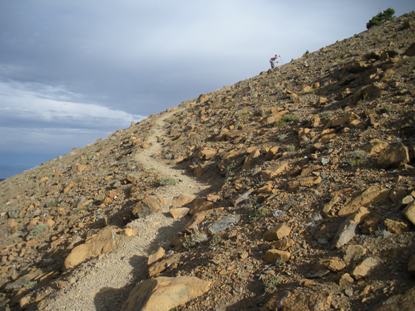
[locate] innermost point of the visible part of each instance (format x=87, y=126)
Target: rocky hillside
x=303, y=196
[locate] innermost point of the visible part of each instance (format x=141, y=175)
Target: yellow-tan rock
x=334, y=264
x=159, y=266
x=364, y=268
x=182, y=200
x=278, y=232
x=369, y=196
x=157, y=255
x=102, y=242
x=208, y=153
x=409, y=212
x=304, y=182
x=273, y=255
x=393, y=155
x=179, y=212
x=165, y=293
x=130, y=231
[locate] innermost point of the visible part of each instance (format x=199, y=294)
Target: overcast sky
x=75, y=70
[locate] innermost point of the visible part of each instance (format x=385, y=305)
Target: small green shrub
x=271, y=283
x=380, y=18
x=357, y=158
x=38, y=230
x=191, y=241
x=215, y=241
x=290, y=117
x=256, y=213
x=290, y=148
x=167, y=182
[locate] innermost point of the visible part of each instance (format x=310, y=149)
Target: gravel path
x=104, y=283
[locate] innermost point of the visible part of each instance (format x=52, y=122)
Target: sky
x=72, y=71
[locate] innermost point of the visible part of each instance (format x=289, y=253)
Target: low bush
x=380, y=18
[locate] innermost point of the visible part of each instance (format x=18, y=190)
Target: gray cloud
x=140, y=57
x=39, y=106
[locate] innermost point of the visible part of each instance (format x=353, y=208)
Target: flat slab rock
x=100, y=243
x=165, y=293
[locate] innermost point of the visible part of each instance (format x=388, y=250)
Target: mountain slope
x=311, y=176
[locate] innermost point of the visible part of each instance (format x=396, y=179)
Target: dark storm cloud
x=98, y=64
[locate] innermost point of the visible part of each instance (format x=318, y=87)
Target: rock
x=404, y=302
x=395, y=226
x=369, y=196
x=354, y=252
x=364, y=268
x=328, y=207
x=409, y=212
x=377, y=146
x=159, y=266
x=317, y=271
x=407, y=199
x=325, y=161
x=182, y=200
x=346, y=280
x=224, y=223
x=24, y=301
x=277, y=170
x=315, y=121
x=147, y=206
x=347, y=230
x=197, y=218
x=278, y=232
x=208, y=153
x=394, y=155
x=158, y=254
x=130, y=231
x=301, y=299
x=69, y=186
x=334, y=264
x=165, y=293
x=273, y=255
x=272, y=151
x=200, y=204
x=307, y=89
x=275, y=117
x=213, y=197
x=304, y=182
x=179, y=212
x=83, y=203
x=12, y=225
x=344, y=119
x=268, y=187
x=100, y=243
x=249, y=160
x=411, y=265
x=283, y=244
x=323, y=100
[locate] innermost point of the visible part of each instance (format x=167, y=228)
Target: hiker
x=274, y=60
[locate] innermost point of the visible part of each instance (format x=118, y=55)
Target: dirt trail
x=104, y=283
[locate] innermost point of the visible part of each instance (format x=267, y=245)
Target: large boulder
x=393, y=155
x=371, y=195
x=165, y=293
x=100, y=243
